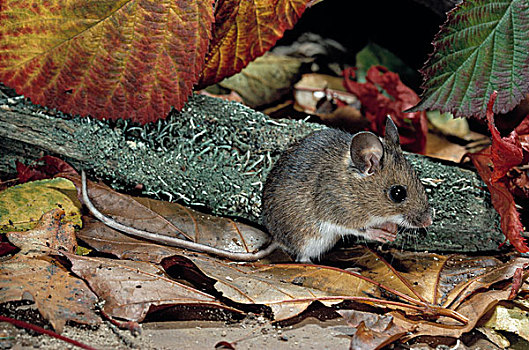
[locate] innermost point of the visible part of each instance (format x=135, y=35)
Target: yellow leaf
x=22, y=206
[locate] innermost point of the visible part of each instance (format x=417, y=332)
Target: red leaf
x=43, y=168
x=506, y=151
x=110, y=59
x=413, y=127
x=502, y=155
x=245, y=30
x=502, y=200
x=517, y=281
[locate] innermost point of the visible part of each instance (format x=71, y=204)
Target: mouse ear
x=392, y=134
x=366, y=152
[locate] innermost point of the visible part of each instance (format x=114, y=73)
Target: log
x=214, y=156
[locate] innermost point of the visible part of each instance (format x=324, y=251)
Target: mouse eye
x=397, y=193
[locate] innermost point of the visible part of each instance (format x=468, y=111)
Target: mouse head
x=390, y=186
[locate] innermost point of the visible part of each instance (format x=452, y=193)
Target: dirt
x=254, y=332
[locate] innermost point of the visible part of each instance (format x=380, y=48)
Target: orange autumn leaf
x=131, y=59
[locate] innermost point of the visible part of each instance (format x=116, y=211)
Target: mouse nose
x=427, y=221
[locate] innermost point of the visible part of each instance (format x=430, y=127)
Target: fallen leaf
x=49, y=236
x=439, y=147
x=312, y=88
x=104, y=239
x=21, y=206
x=169, y=219
x=510, y=318
x=265, y=80
x=325, y=97
x=131, y=288
x=33, y=275
x=495, y=337
x=376, y=105
x=288, y=289
x=43, y=168
x=372, y=331
x=473, y=308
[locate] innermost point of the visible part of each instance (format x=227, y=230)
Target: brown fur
x=315, y=181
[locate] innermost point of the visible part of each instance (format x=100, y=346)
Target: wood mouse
x=325, y=186
x=332, y=184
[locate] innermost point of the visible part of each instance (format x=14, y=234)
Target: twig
x=41, y=330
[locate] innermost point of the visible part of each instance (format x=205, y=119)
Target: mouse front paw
x=385, y=233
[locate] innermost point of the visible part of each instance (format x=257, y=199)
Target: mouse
x=332, y=184
x=327, y=185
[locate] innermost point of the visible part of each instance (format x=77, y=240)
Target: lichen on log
x=215, y=155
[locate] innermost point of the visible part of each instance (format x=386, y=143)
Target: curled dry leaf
x=473, y=308
x=170, y=219
x=131, y=288
x=373, y=331
x=32, y=274
x=325, y=97
x=288, y=289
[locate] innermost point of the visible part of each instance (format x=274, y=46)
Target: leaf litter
x=35, y=274
x=421, y=293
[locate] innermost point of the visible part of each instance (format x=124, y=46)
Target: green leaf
x=264, y=80
x=482, y=47
x=375, y=55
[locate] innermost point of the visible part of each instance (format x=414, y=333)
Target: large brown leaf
x=169, y=219
x=423, y=283
x=131, y=288
x=372, y=331
x=33, y=275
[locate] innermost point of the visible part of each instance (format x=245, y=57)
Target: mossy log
x=214, y=156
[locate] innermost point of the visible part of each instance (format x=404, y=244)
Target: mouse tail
x=170, y=241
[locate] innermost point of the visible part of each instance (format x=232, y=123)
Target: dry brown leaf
x=444, y=291
x=171, y=219
x=48, y=237
x=33, y=275
x=439, y=147
x=326, y=98
x=473, y=308
x=100, y=237
x=373, y=331
x=131, y=288
x=125, y=209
